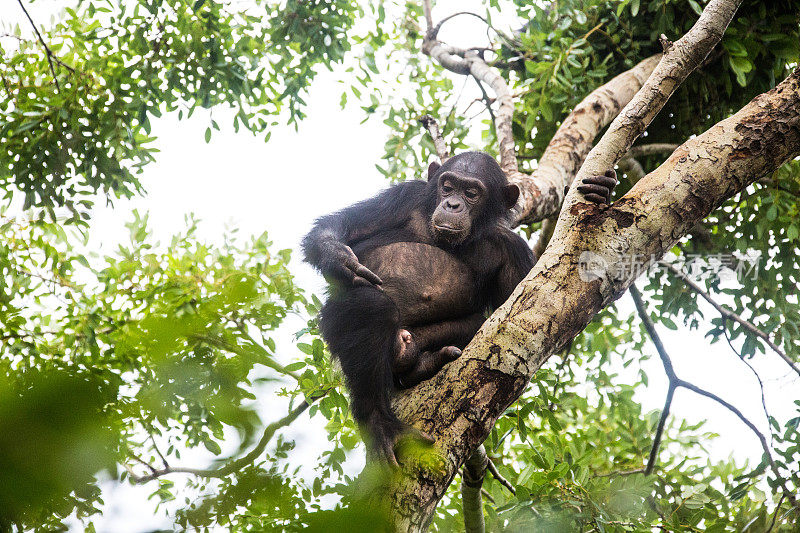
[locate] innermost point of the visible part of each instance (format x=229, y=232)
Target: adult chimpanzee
x=413, y=272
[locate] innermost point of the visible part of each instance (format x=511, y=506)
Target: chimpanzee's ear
x=432, y=168
x=511, y=194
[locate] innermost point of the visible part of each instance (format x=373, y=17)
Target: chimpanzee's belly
x=427, y=283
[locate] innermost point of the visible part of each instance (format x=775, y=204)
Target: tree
x=159, y=348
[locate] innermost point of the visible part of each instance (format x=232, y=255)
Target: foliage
x=113, y=362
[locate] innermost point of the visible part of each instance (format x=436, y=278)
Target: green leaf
x=695, y=7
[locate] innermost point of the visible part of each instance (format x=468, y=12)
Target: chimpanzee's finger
x=358, y=281
x=596, y=189
x=611, y=173
x=340, y=272
x=367, y=274
x=596, y=198
x=604, y=181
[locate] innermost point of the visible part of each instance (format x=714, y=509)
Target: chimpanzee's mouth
x=446, y=228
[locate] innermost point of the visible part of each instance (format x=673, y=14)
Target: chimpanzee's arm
x=515, y=262
x=328, y=245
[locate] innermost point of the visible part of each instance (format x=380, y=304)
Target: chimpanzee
x=413, y=273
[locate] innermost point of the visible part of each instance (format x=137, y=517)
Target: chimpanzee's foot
x=384, y=436
x=598, y=189
x=428, y=364
x=406, y=352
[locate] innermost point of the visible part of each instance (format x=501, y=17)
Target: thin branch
x=651, y=331
x=231, y=467
x=471, y=62
x=487, y=100
x=435, y=30
x=631, y=168
x=471, y=482
x=676, y=382
x=643, y=150
x=436, y=136
x=499, y=477
x=426, y=8
x=775, y=514
x=623, y=472
x=727, y=313
x=753, y=370
x=651, y=460
x=155, y=447
x=545, y=234
x=267, y=361
x=50, y=55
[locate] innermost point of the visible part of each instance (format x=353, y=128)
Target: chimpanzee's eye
x=446, y=187
x=471, y=194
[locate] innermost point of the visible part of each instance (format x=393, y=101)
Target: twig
x=753, y=370
x=775, y=514
x=436, y=136
x=499, y=477
x=155, y=447
x=231, y=467
x=48, y=52
x=726, y=313
x=676, y=382
x=488, y=101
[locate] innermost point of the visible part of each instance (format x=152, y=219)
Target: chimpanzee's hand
x=598, y=189
x=342, y=264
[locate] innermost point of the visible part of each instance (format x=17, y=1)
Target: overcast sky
x=282, y=185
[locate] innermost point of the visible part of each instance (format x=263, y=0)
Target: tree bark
x=460, y=405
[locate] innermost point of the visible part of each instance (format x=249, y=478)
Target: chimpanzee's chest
x=427, y=283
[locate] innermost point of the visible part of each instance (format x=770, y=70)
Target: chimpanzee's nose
x=453, y=205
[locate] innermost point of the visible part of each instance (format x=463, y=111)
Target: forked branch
x=675, y=382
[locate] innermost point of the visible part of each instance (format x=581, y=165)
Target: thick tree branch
x=543, y=191
x=679, y=60
x=644, y=150
x=730, y=315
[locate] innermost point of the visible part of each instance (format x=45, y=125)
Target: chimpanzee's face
x=461, y=198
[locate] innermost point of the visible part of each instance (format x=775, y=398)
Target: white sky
x=281, y=186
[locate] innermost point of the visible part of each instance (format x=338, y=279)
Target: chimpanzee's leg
x=361, y=328
x=433, y=346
